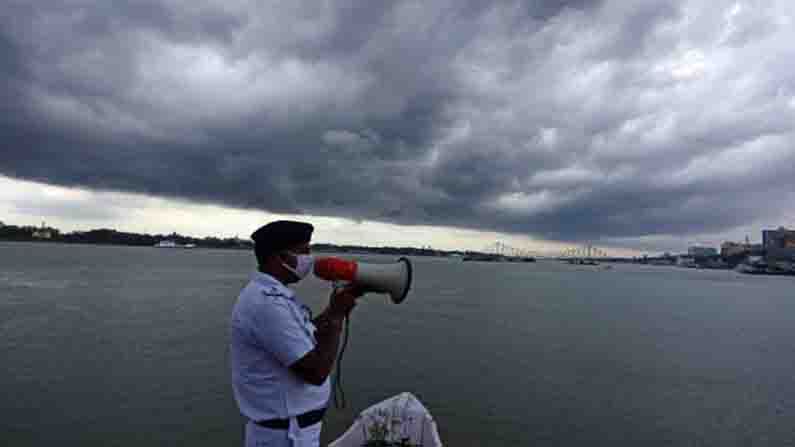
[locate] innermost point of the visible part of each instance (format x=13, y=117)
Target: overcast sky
x=646, y=125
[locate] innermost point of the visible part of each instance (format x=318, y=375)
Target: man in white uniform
x=281, y=357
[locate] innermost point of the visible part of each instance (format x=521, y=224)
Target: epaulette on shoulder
x=272, y=292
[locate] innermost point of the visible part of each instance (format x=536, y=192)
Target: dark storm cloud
x=578, y=120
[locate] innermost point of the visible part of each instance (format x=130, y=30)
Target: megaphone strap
x=337, y=389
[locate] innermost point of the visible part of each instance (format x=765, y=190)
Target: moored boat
x=167, y=243
x=400, y=421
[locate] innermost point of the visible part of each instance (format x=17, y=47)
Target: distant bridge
x=503, y=249
x=584, y=252
x=587, y=251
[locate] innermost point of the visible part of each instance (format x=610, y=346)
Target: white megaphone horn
x=393, y=279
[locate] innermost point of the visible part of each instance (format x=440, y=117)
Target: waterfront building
x=779, y=244
x=729, y=248
x=780, y=238
x=44, y=232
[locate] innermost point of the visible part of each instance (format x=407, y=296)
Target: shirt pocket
x=304, y=316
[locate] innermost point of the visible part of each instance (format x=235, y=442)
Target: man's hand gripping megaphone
x=343, y=299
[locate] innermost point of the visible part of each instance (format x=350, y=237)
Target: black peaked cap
x=279, y=235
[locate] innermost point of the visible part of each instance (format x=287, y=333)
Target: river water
x=124, y=346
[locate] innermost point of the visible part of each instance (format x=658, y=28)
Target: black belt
x=304, y=420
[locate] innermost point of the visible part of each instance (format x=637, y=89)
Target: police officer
x=281, y=357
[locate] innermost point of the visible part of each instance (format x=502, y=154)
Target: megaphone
x=393, y=279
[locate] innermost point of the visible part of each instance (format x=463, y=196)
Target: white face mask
x=304, y=265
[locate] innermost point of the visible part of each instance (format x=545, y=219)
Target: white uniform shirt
x=270, y=330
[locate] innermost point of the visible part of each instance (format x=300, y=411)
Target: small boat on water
x=400, y=421
x=756, y=265
x=582, y=261
x=167, y=243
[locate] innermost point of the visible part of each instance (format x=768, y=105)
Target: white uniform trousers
x=257, y=436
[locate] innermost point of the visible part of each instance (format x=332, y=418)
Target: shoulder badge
x=272, y=292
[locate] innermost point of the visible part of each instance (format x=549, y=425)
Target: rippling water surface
x=122, y=346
